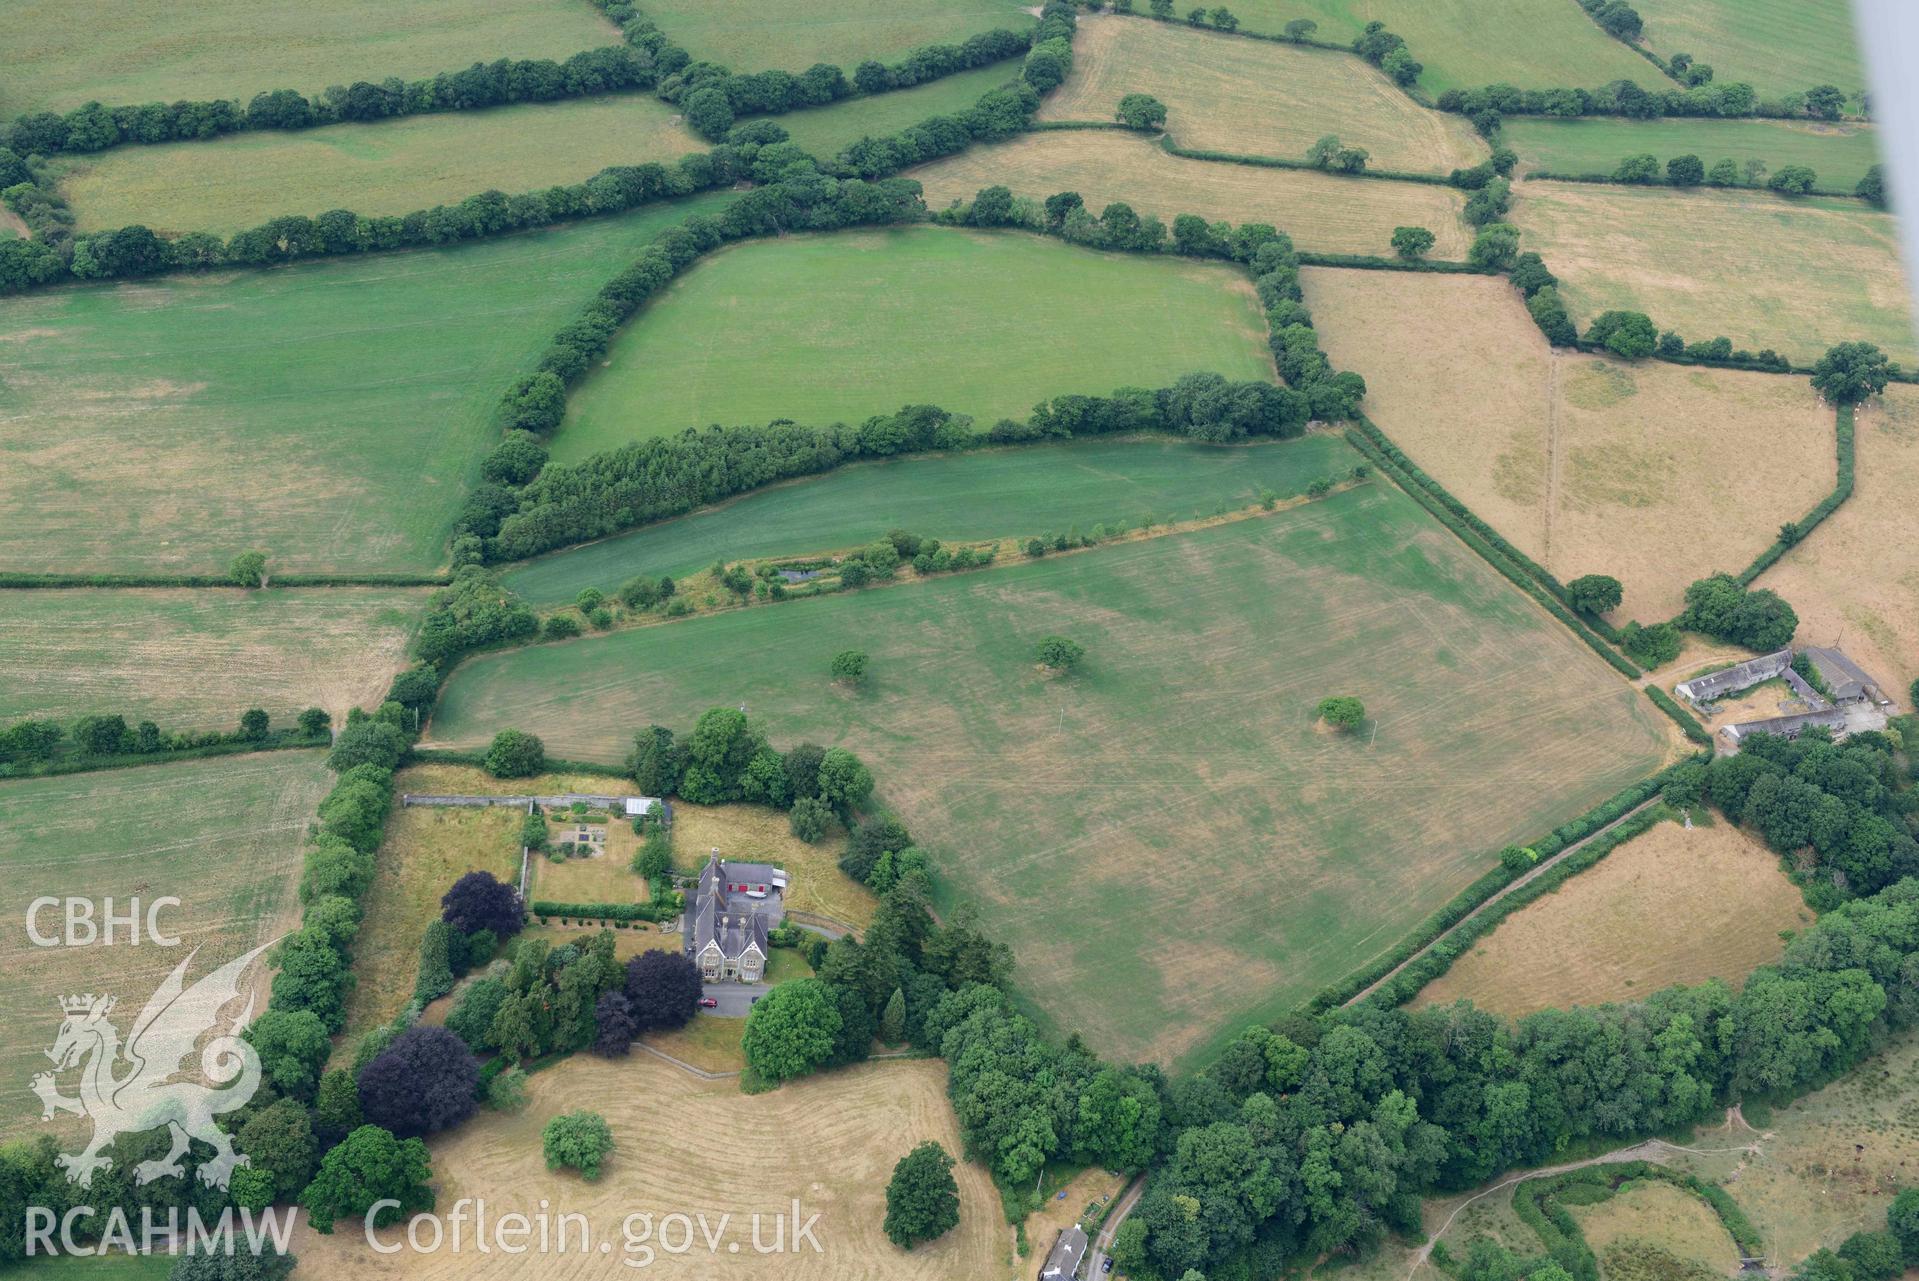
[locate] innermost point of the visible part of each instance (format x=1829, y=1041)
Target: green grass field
x=392, y=167
x=330, y=414
x=223, y=836
x=1796, y=275
x=1535, y=44
x=1777, y=46
x=1839, y=153
x=195, y=659
x=792, y=35
x=836, y=328
x=60, y=53
x=1254, y=97
x=995, y=493
x=824, y=131
x=1165, y=839
x=111, y=1267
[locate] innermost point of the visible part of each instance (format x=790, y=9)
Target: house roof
x=1737, y=677
x=1063, y=1262
x=1831, y=718
x=734, y=922
x=1847, y=679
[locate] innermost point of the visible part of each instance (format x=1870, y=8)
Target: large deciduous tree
x=420, y=1084
x=922, y=1199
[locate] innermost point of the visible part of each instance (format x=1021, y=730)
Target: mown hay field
x=1840, y=153
x=1535, y=44
x=1166, y=841
x=991, y=493
x=392, y=167
x=331, y=414
x=1673, y=905
x=61, y=53
x=1873, y=612
x=792, y=35
x=700, y=1148
x=196, y=659
x=1796, y=275
x=1777, y=46
x=1588, y=464
x=223, y=836
x=1321, y=212
x=825, y=131
x=835, y=328
x=1254, y=97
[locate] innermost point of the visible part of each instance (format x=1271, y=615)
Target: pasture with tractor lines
x=1164, y=865
x=792, y=35
x=1323, y=213
x=386, y=168
x=1254, y=97
x=1464, y=44
x=1873, y=614
x=827, y=329
x=62, y=53
x=990, y=493
x=825, y=131
x=223, y=836
x=1796, y=274
x=332, y=414
x=1672, y=905
x=195, y=659
x=1588, y=464
x=1776, y=46
x=1840, y=153
x=683, y=1144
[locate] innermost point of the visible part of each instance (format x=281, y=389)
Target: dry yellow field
x=1319, y=211
x=1586, y=463
x=1659, y=1213
x=1796, y=275
x=692, y=1147
x=385, y=168
x=1253, y=97
x=1670, y=906
x=190, y=658
x=1872, y=611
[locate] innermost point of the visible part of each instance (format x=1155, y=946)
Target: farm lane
x=1103, y=1239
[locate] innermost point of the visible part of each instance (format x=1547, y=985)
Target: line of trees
x=712, y=98
x=1488, y=105
x=1643, y=169
x=93, y=127
x=136, y=250
x=32, y=745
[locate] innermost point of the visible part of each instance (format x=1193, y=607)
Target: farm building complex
x=1858, y=702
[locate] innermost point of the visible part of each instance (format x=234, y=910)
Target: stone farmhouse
x=1858, y=702
x=728, y=917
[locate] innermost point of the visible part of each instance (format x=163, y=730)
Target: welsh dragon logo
x=125, y=1089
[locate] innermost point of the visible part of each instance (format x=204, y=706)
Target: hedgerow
x=1475, y=895
x=1794, y=532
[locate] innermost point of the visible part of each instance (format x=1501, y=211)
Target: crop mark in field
x=1552, y=458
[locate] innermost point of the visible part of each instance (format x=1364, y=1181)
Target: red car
x=709, y=1003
